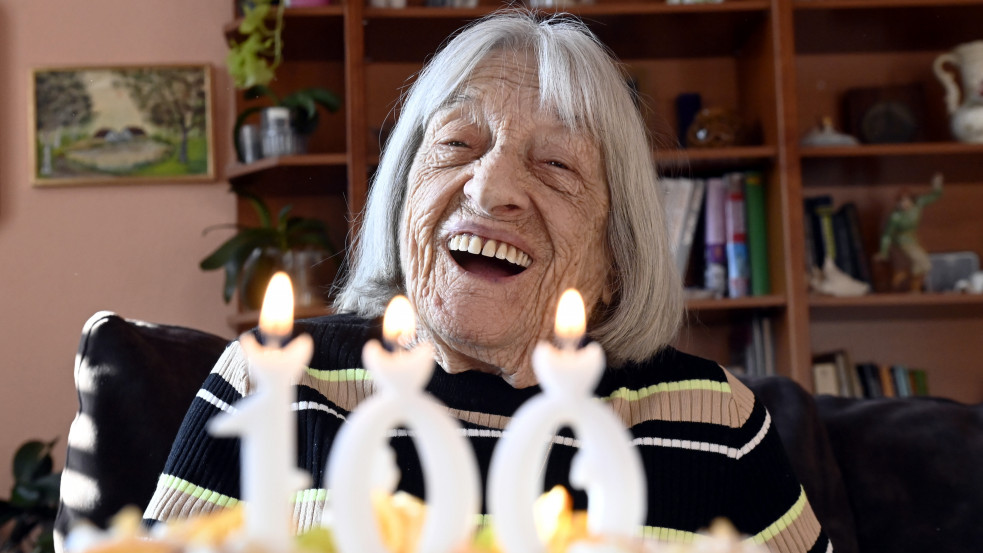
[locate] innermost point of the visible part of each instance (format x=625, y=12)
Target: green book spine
x=757, y=233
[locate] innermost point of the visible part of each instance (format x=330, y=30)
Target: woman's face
x=497, y=177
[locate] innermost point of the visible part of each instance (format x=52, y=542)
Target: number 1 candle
x=266, y=424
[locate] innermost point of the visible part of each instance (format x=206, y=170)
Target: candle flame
x=276, y=318
x=571, y=320
x=399, y=322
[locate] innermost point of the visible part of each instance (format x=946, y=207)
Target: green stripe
x=310, y=495
x=682, y=385
x=197, y=492
x=784, y=521
x=341, y=375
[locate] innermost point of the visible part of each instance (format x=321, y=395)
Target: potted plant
x=33, y=501
x=253, y=58
x=253, y=254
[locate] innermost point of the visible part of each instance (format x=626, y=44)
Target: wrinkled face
x=506, y=208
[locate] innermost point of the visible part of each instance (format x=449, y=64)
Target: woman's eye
x=456, y=144
x=557, y=164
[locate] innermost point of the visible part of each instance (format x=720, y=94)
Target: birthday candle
x=265, y=423
x=607, y=466
x=449, y=467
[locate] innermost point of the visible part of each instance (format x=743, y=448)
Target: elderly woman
x=520, y=167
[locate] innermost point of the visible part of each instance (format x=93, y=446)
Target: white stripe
x=212, y=399
x=79, y=491
x=310, y=405
x=829, y=546
x=731, y=452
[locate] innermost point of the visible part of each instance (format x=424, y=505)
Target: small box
x=949, y=268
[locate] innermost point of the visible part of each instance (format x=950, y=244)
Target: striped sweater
x=708, y=447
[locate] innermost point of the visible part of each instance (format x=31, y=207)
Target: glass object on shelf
x=300, y=264
x=825, y=134
x=716, y=127
x=250, y=143
x=278, y=138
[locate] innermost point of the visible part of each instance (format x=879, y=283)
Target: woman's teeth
x=489, y=248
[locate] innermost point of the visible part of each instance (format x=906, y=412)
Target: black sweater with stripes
x=708, y=446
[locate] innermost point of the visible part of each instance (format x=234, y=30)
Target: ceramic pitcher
x=967, y=115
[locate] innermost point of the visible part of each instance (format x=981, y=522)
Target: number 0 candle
x=450, y=473
x=607, y=466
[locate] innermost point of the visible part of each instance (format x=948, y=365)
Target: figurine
x=830, y=280
x=901, y=230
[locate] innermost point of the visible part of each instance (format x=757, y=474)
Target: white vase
x=967, y=115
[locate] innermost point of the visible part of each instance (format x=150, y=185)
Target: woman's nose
x=498, y=186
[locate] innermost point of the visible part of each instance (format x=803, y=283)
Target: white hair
x=581, y=81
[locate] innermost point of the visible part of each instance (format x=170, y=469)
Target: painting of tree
x=122, y=124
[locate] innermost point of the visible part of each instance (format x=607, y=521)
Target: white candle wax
x=268, y=431
x=607, y=466
x=449, y=467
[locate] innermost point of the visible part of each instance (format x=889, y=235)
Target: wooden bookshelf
x=781, y=64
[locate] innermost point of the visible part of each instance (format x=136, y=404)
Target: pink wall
x=66, y=253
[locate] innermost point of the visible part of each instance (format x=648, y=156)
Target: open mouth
x=487, y=257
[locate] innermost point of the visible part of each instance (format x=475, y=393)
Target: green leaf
x=232, y=249
x=254, y=18
x=262, y=210
x=50, y=487
x=259, y=91
x=24, y=495
x=325, y=98
x=45, y=542
x=8, y=511
x=28, y=460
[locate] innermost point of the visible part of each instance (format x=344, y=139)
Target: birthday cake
x=399, y=517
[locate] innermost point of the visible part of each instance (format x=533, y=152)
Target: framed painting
x=121, y=125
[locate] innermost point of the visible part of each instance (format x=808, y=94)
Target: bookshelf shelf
x=897, y=306
x=893, y=150
x=709, y=157
x=301, y=174
x=806, y=5
x=736, y=304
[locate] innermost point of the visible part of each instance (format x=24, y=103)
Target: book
x=846, y=380
x=768, y=346
x=715, y=237
x=919, y=382
x=757, y=229
x=821, y=241
x=887, y=381
x=738, y=269
x=858, y=253
x=758, y=346
x=902, y=385
x=675, y=204
x=694, y=207
x=843, y=251
x=870, y=380
x=824, y=379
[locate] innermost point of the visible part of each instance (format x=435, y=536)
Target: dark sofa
x=886, y=475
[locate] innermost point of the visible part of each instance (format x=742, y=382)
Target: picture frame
x=121, y=124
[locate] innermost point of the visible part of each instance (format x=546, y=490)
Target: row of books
x=725, y=216
x=834, y=374
x=834, y=231
x=753, y=347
